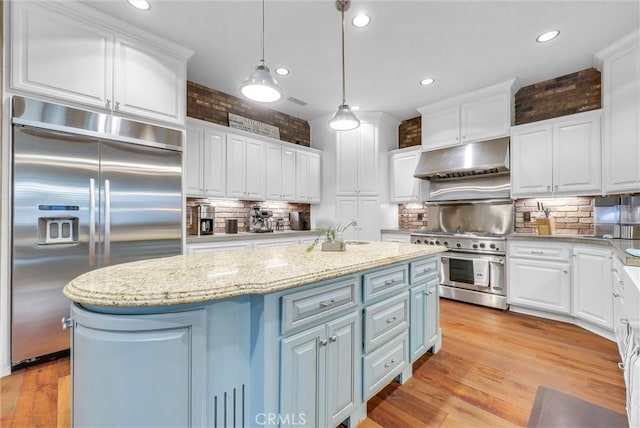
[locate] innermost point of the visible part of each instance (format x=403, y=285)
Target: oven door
x=477, y=272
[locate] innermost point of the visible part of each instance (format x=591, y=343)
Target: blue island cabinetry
x=305, y=356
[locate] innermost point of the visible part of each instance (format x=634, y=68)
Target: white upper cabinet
x=403, y=186
x=71, y=52
x=280, y=172
x=357, y=161
x=245, y=168
x=558, y=156
x=307, y=176
x=620, y=66
x=205, y=161
x=476, y=116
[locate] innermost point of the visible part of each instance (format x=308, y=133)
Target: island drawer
x=423, y=269
x=316, y=304
x=384, y=364
x=384, y=320
x=385, y=282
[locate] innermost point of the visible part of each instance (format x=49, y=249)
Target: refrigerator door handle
x=107, y=221
x=92, y=221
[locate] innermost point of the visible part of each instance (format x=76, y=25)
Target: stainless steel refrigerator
x=89, y=190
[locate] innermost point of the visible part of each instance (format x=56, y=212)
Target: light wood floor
x=485, y=375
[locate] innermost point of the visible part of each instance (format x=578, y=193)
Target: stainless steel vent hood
x=487, y=157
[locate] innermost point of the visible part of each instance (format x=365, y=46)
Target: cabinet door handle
x=323, y=342
x=556, y=186
x=325, y=304
x=107, y=103
x=565, y=271
x=624, y=321
x=389, y=364
x=621, y=366
x=548, y=188
x=390, y=320
x=117, y=105
x=67, y=323
x=616, y=294
x=333, y=338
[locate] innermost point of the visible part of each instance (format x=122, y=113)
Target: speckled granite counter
x=618, y=245
x=205, y=277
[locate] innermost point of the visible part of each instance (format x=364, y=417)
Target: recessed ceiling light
x=427, y=81
x=548, y=35
x=140, y=4
x=281, y=71
x=361, y=20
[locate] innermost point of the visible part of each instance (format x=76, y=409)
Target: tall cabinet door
x=193, y=175
x=236, y=166
x=288, y=158
x=255, y=169
x=273, y=164
x=301, y=359
x=141, y=210
x=342, y=368
x=214, y=163
x=531, y=160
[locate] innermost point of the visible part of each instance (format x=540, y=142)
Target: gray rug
x=555, y=409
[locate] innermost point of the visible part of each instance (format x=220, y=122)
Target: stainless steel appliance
x=202, y=219
x=473, y=270
x=467, y=172
x=260, y=220
x=299, y=220
x=88, y=190
x=606, y=217
x=630, y=217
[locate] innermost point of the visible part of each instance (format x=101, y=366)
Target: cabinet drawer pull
x=67, y=323
x=389, y=282
x=389, y=364
x=325, y=304
x=390, y=320
x=426, y=270
x=537, y=252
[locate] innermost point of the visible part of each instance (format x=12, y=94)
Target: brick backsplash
x=572, y=216
x=214, y=106
x=412, y=216
x=240, y=210
x=410, y=133
x=564, y=95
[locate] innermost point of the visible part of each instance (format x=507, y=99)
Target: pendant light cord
x=262, y=60
x=344, y=97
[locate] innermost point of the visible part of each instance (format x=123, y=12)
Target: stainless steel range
x=473, y=270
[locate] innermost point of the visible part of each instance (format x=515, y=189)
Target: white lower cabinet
x=318, y=366
x=365, y=210
x=620, y=322
x=542, y=280
x=592, y=291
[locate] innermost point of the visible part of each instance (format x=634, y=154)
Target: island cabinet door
x=144, y=370
x=417, y=332
x=319, y=370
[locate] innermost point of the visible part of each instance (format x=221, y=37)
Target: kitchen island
x=273, y=336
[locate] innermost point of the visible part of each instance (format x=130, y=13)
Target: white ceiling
x=464, y=45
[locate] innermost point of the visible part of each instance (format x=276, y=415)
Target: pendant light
x=344, y=119
x=260, y=85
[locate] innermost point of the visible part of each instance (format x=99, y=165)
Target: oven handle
x=446, y=258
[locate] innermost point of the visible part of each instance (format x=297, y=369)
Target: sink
x=356, y=242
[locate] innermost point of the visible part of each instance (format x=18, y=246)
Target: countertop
x=196, y=278
x=240, y=236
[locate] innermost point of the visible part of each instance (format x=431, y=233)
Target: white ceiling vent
x=297, y=101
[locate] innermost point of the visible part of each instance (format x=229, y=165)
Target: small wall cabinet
x=476, y=116
x=620, y=66
x=403, y=186
x=74, y=53
x=560, y=156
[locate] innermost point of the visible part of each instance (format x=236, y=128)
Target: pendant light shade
x=260, y=85
x=344, y=119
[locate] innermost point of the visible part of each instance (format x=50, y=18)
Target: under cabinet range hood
x=470, y=171
x=487, y=157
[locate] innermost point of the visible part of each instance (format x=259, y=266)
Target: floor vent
x=229, y=409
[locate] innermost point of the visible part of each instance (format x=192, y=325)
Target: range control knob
x=482, y=245
x=475, y=245
x=458, y=244
x=437, y=242
x=432, y=243
x=445, y=243
x=418, y=241
x=492, y=246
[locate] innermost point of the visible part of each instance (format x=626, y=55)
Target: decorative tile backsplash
x=240, y=210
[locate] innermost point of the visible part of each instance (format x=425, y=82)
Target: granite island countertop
x=196, y=278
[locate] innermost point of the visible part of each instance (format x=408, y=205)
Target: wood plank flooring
x=485, y=375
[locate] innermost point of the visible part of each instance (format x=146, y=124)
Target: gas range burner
x=463, y=242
